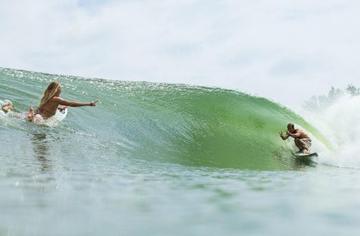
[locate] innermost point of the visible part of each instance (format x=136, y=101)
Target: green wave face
x=165, y=123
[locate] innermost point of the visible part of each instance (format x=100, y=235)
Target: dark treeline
x=323, y=101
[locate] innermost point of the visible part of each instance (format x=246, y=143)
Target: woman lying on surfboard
x=51, y=102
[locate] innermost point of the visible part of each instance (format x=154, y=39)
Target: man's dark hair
x=290, y=126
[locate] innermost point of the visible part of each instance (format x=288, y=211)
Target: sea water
x=159, y=159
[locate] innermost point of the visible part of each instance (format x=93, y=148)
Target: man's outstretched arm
x=284, y=136
x=294, y=135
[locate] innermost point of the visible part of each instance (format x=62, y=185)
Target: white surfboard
x=306, y=158
x=60, y=114
x=53, y=121
x=306, y=155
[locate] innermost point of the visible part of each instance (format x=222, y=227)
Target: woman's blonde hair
x=49, y=92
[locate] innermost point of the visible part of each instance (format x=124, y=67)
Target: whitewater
x=172, y=159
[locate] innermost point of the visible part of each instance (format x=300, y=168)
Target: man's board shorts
x=306, y=142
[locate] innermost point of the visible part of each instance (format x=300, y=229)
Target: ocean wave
x=180, y=124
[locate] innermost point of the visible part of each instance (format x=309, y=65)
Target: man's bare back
x=298, y=133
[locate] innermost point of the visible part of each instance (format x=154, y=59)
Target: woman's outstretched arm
x=73, y=103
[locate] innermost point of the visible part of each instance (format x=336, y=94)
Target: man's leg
x=299, y=144
x=304, y=145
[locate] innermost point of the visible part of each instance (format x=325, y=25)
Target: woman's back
x=49, y=108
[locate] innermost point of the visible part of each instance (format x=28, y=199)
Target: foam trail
x=340, y=123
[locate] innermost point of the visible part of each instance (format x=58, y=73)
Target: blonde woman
x=51, y=102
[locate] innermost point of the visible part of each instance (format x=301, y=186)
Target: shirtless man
x=302, y=140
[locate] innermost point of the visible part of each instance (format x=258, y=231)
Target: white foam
x=340, y=123
x=54, y=120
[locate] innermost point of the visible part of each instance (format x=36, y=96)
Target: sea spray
x=339, y=121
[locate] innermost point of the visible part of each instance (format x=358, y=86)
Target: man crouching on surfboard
x=302, y=140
